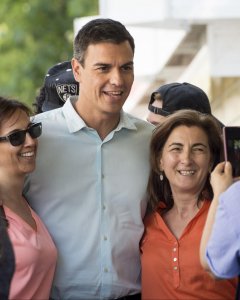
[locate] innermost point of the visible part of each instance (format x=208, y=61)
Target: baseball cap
x=176, y=96
x=59, y=85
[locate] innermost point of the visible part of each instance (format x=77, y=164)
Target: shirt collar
x=126, y=121
x=76, y=123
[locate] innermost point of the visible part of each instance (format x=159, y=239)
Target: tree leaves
x=35, y=35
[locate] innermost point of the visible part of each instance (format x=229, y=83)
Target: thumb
x=228, y=168
x=219, y=168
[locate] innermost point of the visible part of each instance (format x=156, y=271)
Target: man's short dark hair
x=97, y=31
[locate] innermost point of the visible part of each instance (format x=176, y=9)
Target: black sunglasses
x=18, y=138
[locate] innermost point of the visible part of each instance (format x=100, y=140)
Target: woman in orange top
x=184, y=150
x=34, y=251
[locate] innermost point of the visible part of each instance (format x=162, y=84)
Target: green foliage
x=34, y=35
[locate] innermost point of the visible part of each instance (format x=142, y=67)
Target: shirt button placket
x=104, y=253
x=175, y=264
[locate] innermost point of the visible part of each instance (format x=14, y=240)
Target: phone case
x=231, y=141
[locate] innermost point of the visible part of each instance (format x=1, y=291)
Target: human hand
x=221, y=177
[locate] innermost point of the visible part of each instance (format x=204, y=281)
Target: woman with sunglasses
x=34, y=251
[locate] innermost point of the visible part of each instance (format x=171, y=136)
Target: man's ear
x=76, y=67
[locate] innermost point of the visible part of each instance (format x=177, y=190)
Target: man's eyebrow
x=130, y=63
x=99, y=64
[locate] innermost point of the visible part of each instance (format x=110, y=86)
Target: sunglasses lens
x=35, y=130
x=17, y=138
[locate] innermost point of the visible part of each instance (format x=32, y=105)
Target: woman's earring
x=161, y=176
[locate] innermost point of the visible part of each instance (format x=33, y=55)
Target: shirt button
x=175, y=268
x=104, y=206
x=102, y=176
x=175, y=259
x=105, y=270
x=105, y=238
x=174, y=249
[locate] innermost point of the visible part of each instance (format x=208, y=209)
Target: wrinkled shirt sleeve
x=222, y=252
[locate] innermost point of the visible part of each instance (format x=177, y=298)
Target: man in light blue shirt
x=89, y=186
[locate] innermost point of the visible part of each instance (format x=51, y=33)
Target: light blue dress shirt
x=91, y=194
x=223, y=249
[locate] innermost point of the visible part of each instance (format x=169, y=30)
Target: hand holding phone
x=231, y=141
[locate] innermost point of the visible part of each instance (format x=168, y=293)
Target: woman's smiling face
x=186, y=159
x=17, y=160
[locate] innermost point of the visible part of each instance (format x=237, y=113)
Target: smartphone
x=231, y=141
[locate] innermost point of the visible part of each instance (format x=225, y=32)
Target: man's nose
x=116, y=78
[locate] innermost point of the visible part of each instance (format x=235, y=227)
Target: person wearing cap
x=92, y=169
x=172, y=97
x=183, y=152
x=59, y=84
